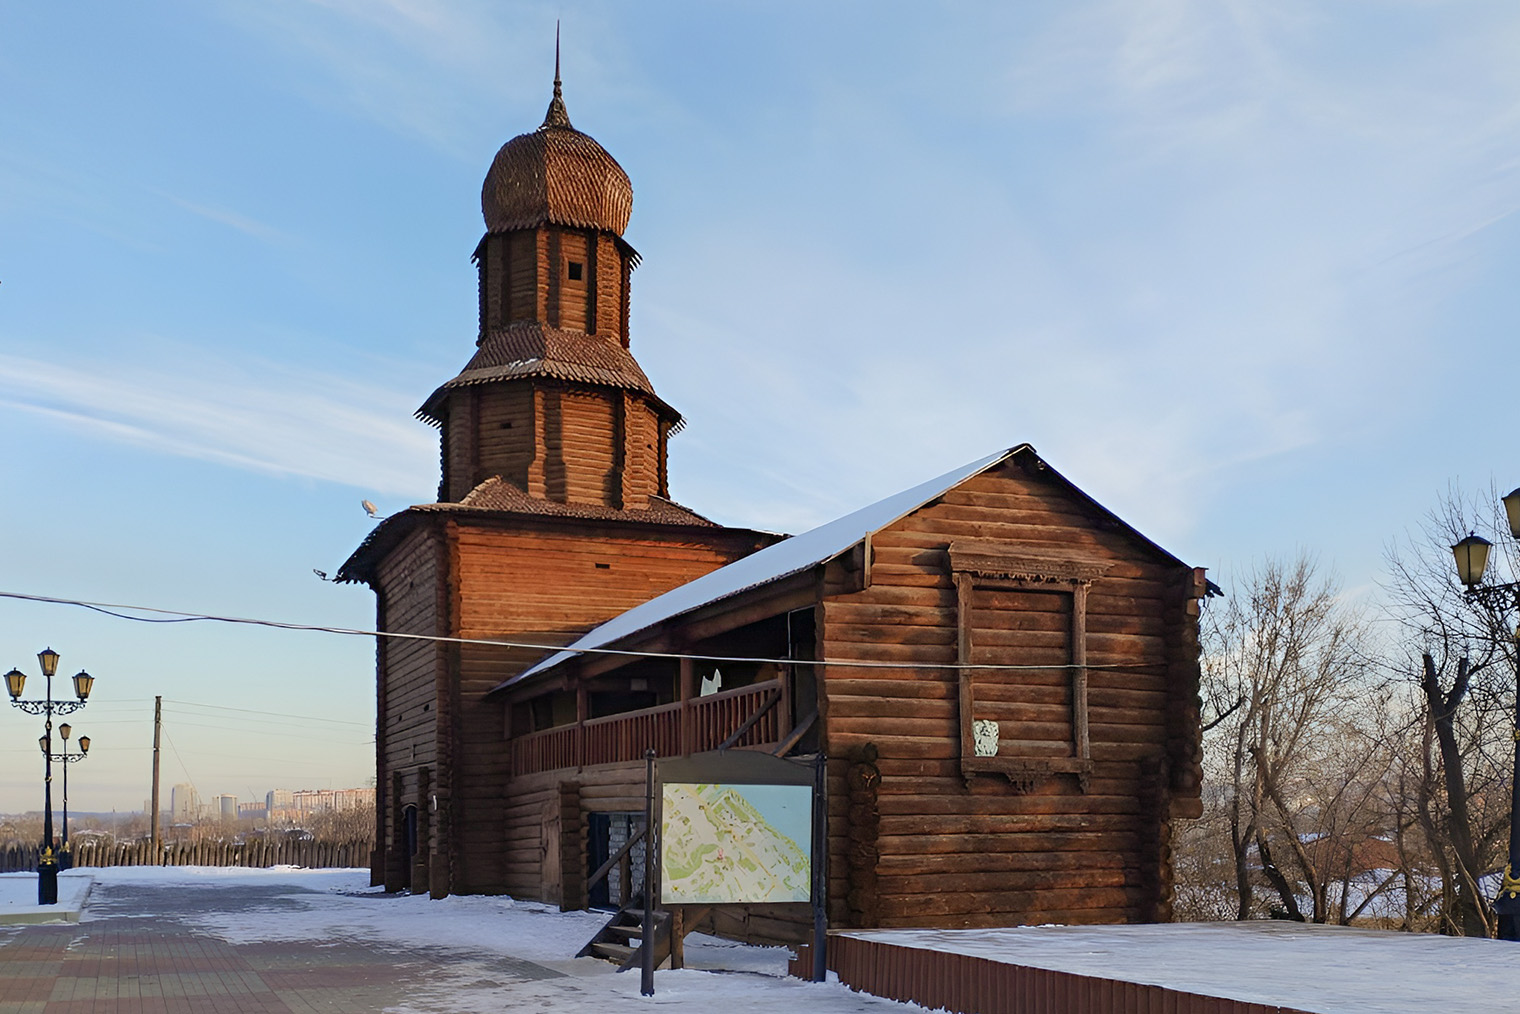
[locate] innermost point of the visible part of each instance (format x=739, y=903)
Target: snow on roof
x=772, y=563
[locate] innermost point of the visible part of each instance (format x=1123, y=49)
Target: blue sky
x=1238, y=270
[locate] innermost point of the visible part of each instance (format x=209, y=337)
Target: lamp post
x=1472, y=559
x=65, y=860
x=15, y=682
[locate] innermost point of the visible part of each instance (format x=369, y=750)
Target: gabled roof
x=799, y=553
x=772, y=563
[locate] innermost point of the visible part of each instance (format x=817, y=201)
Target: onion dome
x=556, y=175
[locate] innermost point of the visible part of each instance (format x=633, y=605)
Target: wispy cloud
x=232, y=219
x=241, y=414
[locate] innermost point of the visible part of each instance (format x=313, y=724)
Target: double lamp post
x=1472, y=559
x=15, y=682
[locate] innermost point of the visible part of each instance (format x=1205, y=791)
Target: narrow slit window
x=576, y=271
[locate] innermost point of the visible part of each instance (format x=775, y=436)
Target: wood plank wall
x=599, y=446
x=409, y=587
x=586, y=433
x=542, y=586
x=610, y=319
x=508, y=279
x=524, y=275
x=987, y=854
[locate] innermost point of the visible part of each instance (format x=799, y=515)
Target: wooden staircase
x=621, y=940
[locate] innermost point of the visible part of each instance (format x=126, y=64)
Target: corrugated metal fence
x=969, y=985
x=15, y=857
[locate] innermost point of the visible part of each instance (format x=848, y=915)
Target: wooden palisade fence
x=16, y=857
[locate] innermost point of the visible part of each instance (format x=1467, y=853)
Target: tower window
x=577, y=271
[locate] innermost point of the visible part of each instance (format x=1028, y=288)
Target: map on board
x=732, y=844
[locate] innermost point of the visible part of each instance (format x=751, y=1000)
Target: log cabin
x=1002, y=674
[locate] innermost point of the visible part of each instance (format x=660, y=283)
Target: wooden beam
x=680, y=633
x=785, y=746
x=749, y=723
x=1079, y=674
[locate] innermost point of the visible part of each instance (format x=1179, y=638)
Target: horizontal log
x=919, y=843
x=1009, y=902
x=889, y=866
x=869, y=685
x=998, y=824
x=1003, y=881
x=1076, y=917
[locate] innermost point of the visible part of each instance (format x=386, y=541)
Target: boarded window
x=1022, y=639
x=1032, y=707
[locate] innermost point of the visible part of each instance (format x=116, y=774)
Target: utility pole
x=158, y=721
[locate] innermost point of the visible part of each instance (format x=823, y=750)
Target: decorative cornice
x=992, y=560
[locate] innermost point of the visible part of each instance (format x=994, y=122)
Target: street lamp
x=15, y=682
x=1471, y=555
x=65, y=860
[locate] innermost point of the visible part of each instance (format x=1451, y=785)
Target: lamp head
x=48, y=658
x=84, y=744
x=1472, y=558
x=42, y=741
x=15, y=680
x=1512, y=511
x=83, y=684
x=64, y=730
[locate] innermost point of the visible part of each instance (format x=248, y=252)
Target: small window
x=577, y=270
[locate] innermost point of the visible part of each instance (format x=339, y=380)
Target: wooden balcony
x=672, y=730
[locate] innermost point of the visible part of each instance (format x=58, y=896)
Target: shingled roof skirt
x=792, y=556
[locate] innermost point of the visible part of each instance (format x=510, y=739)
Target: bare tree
x=1460, y=662
x=1286, y=673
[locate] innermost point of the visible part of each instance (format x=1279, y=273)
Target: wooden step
x=615, y=952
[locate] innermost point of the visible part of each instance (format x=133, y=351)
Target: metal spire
x=556, y=116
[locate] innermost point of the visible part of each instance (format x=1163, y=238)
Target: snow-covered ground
x=328, y=907
x=1317, y=968
x=18, y=897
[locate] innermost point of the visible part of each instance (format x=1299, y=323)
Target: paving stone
x=123, y=962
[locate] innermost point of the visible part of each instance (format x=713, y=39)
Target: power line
x=109, y=609
x=272, y=714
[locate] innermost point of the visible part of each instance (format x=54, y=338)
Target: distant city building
x=284, y=804
x=252, y=811
x=227, y=807
x=184, y=803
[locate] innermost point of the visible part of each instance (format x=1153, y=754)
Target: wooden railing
x=672, y=730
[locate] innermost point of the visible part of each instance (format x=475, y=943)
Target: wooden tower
x=552, y=401
x=553, y=510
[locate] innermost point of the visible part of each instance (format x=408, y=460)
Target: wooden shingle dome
x=556, y=175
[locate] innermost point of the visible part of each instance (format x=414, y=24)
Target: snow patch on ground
x=1328, y=969
x=18, y=896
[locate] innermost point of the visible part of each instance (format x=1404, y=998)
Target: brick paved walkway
x=127, y=964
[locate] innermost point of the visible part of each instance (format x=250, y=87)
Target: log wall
x=601, y=446
x=410, y=591
x=954, y=849
x=541, y=585
x=525, y=275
